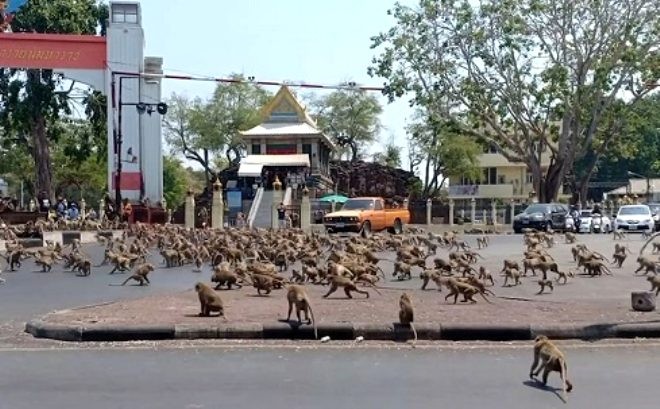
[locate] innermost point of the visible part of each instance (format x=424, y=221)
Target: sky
x=314, y=41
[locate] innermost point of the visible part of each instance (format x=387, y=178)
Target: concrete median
x=338, y=331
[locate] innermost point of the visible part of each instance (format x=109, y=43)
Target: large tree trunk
x=553, y=182
x=41, y=155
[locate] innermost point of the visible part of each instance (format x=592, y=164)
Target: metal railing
x=255, y=206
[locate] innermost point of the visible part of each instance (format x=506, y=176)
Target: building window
x=501, y=179
x=489, y=176
x=125, y=13
x=530, y=177
x=490, y=148
x=256, y=149
x=468, y=181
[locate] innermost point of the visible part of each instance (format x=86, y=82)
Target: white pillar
x=217, y=206
x=429, y=207
x=83, y=208
x=451, y=212
x=473, y=209
x=189, y=217
x=305, y=210
x=101, y=208
x=493, y=212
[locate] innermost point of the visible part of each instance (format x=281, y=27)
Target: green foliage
x=34, y=100
x=350, y=118
x=391, y=156
x=175, y=181
x=202, y=130
x=523, y=74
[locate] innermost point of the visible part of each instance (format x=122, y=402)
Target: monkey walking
x=551, y=359
x=544, y=284
x=296, y=295
x=655, y=284
x=407, y=314
x=141, y=274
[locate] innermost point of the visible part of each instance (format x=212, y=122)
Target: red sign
x=129, y=180
x=27, y=50
x=281, y=149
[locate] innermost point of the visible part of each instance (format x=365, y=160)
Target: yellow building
x=501, y=179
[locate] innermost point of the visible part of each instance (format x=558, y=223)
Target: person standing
x=281, y=215
x=127, y=211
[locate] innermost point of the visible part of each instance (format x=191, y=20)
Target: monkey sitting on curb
x=209, y=301
x=407, y=314
x=296, y=295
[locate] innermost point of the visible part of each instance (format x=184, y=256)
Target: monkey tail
x=484, y=297
x=412, y=327
x=311, y=313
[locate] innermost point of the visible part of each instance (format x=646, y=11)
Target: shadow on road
x=538, y=385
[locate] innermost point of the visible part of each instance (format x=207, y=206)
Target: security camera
x=141, y=108
x=162, y=108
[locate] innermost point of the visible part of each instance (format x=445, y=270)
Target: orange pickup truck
x=365, y=215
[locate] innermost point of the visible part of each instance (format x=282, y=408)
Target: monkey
x=618, y=259
x=441, y=264
x=531, y=264
x=456, y=287
x=296, y=276
x=428, y=275
x=618, y=234
x=564, y=276
x=596, y=267
x=407, y=314
x=402, y=270
x=474, y=281
x=647, y=264
x=570, y=237
x=296, y=295
x=198, y=264
x=140, y=274
x=656, y=247
x=222, y=275
x=14, y=259
x=263, y=283
x=544, y=284
x=551, y=359
x=121, y=264
x=513, y=275
x=209, y=301
x=172, y=258
x=45, y=262
x=459, y=244
x=84, y=267
x=655, y=284
x=546, y=266
x=347, y=283
x=482, y=242
x=510, y=264
x=310, y=273
x=485, y=275
x=646, y=234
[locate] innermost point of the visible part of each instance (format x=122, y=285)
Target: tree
x=350, y=118
x=391, y=156
x=201, y=130
x=175, y=181
x=443, y=150
x=32, y=99
x=528, y=76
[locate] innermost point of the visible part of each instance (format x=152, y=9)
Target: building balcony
x=481, y=191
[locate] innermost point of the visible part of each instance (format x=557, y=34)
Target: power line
x=251, y=80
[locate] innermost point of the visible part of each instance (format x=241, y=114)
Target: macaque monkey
x=510, y=264
x=407, y=314
x=263, y=283
x=618, y=259
x=485, y=275
x=564, y=276
x=45, y=262
x=402, y=270
x=198, y=264
x=570, y=237
x=121, y=263
x=347, y=283
x=84, y=267
x=428, y=275
x=656, y=248
x=482, y=242
x=647, y=264
x=140, y=274
x=459, y=244
x=14, y=259
x=618, y=234
x=468, y=291
x=209, y=301
x=296, y=295
x=513, y=275
x=655, y=283
x=222, y=275
x=551, y=359
x=544, y=284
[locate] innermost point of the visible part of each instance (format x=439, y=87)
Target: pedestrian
x=240, y=220
x=281, y=215
x=74, y=213
x=127, y=211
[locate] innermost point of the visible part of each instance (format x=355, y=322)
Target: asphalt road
x=326, y=377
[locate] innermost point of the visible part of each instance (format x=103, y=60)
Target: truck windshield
x=358, y=204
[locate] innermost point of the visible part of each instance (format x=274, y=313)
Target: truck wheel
x=398, y=227
x=366, y=230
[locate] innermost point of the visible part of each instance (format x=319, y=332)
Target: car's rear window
x=634, y=210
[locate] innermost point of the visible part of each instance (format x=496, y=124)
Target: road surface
x=310, y=377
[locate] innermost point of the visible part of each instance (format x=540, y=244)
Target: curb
x=338, y=331
x=65, y=237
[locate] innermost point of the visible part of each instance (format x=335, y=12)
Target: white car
x=634, y=218
x=590, y=223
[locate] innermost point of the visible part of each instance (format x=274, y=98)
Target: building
x=501, y=179
x=637, y=188
x=287, y=142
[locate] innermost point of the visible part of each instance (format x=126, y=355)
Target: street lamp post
x=141, y=107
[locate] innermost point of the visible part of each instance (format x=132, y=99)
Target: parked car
x=594, y=223
x=543, y=216
x=634, y=218
x=655, y=211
